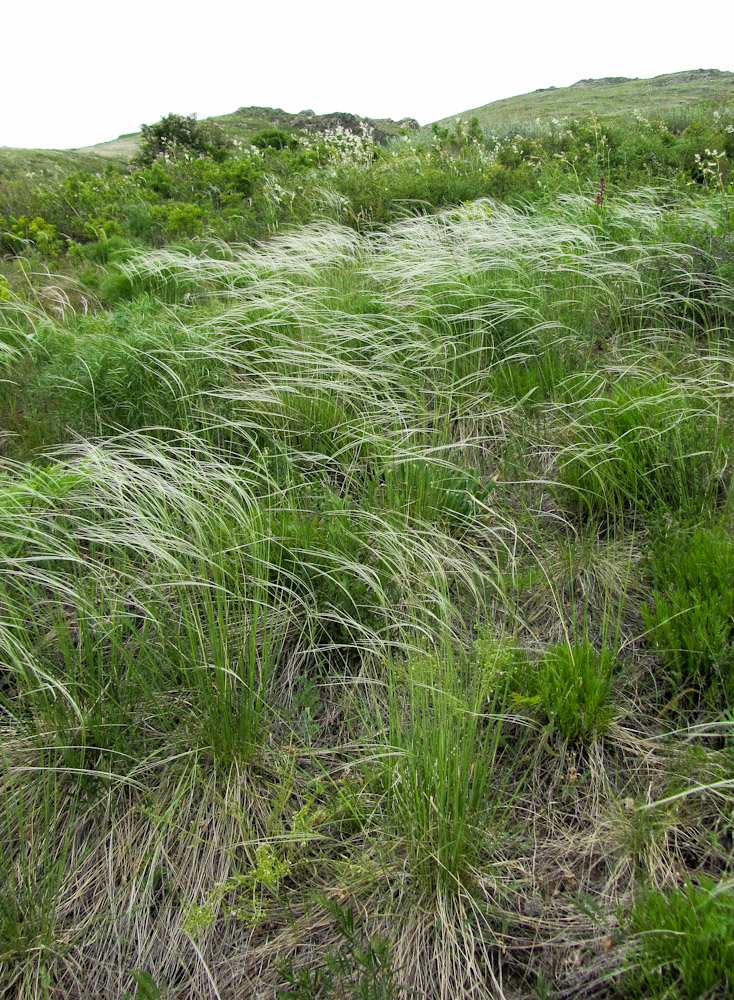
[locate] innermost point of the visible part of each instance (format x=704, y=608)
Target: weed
x=359, y=969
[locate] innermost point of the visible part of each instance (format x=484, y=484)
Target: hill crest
x=603, y=96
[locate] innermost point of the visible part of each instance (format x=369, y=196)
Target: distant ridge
x=604, y=96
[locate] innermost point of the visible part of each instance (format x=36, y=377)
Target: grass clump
x=682, y=943
x=691, y=616
x=653, y=445
x=571, y=686
x=439, y=744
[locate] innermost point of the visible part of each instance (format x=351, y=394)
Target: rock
x=604, y=80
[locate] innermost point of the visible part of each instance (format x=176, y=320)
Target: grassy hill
x=606, y=96
x=244, y=123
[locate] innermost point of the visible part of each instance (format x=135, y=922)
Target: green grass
x=661, y=95
x=683, y=943
x=571, y=686
x=690, y=619
x=346, y=585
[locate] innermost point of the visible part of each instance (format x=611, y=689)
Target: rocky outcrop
x=687, y=76
x=381, y=128
x=309, y=121
x=604, y=80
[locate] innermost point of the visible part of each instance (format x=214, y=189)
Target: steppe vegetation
x=366, y=566
x=659, y=97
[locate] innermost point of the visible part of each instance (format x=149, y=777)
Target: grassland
x=367, y=614
x=659, y=96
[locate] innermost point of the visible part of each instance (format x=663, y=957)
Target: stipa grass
x=242, y=691
x=690, y=617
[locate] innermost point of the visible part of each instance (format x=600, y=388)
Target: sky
x=84, y=71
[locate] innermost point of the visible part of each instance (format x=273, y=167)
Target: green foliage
x=359, y=969
x=146, y=987
x=420, y=182
x=18, y=235
x=448, y=496
x=348, y=584
x=177, y=219
x=274, y=138
x=571, y=684
x=130, y=374
x=246, y=893
x=682, y=943
x=651, y=445
x=691, y=619
x=436, y=767
x=177, y=135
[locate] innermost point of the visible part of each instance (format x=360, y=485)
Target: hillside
x=605, y=96
x=600, y=97
x=244, y=123
x=366, y=547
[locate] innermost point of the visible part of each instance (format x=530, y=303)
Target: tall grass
x=311, y=559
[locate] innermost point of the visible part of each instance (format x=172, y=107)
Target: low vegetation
x=365, y=568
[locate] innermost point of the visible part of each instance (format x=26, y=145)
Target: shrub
x=182, y=134
x=274, y=138
x=30, y=233
x=177, y=218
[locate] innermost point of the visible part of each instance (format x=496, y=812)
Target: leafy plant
x=359, y=969
x=571, y=684
x=274, y=138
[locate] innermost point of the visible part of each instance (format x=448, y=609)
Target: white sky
x=84, y=71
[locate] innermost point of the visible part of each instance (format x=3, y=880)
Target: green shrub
x=274, y=138
x=30, y=233
x=691, y=618
x=177, y=219
x=684, y=948
x=104, y=250
x=176, y=134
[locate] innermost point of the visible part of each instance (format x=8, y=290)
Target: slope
x=605, y=96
